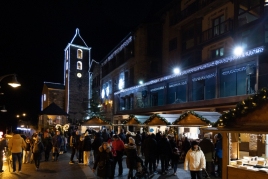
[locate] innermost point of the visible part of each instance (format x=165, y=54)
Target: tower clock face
x=79, y=75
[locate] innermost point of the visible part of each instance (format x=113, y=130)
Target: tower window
x=79, y=65
x=67, y=55
x=79, y=54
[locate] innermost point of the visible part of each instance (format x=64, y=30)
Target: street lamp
x=3, y=109
x=176, y=70
x=14, y=83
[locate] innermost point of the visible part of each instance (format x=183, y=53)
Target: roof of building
x=53, y=109
x=54, y=85
x=78, y=40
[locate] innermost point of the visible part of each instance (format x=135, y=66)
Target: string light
x=197, y=68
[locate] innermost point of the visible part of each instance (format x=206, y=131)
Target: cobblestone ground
x=62, y=169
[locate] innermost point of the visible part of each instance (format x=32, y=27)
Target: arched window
x=79, y=54
x=67, y=55
x=79, y=65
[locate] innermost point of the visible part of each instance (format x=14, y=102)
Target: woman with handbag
x=104, y=162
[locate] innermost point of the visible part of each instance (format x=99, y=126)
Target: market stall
x=189, y=122
x=245, y=136
x=134, y=123
x=95, y=123
x=160, y=122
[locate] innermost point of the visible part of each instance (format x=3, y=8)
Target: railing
x=217, y=30
x=193, y=8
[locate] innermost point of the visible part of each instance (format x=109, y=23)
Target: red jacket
x=118, y=145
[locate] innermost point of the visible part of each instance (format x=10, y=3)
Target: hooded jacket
x=16, y=144
x=195, y=160
x=131, y=152
x=104, y=158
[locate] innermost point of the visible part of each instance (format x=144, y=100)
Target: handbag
x=101, y=165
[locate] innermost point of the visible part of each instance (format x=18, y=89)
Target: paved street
x=62, y=169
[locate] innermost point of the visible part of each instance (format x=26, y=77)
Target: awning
x=197, y=118
x=96, y=121
x=161, y=119
x=135, y=120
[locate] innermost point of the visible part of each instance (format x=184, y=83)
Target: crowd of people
x=29, y=149
x=144, y=152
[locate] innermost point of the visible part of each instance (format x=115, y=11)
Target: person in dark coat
x=131, y=153
x=128, y=134
x=218, y=153
x=86, y=148
x=105, y=135
x=175, y=159
x=150, y=152
x=80, y=150
x=74, y=141
x=97, y=142
x=47, y=145
x=165, y=151
x=38, y=148
x=138, y=142
x=26, y=158
x=143, y=137
x=186, y=145
x=56, y=143
x=122, y=135
x=104, y=161
x=208, y=149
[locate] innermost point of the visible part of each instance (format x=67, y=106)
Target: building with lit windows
x=199, y=37
x=72, y=97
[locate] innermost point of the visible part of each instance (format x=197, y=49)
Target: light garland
x=158, y=116
x=119, y=49
x=131, y=116
x=197, y=68
x=228, y=72
x=212, y=75
x=184, y=115
x=242, y=108
x=177, y=84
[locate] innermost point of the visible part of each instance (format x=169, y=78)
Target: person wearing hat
x=195, y=160
x=131, y=153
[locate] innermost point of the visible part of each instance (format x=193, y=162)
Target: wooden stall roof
x=197, y=118
x=96, y=121
x=135, y=120
x=161, y=119
x=250, y=115
x=53, y=109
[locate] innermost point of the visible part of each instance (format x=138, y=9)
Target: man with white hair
x=208, y=149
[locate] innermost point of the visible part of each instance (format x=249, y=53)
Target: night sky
x=33, y=35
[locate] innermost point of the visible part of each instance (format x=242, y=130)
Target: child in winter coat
x=38, y=148
x=175, y=159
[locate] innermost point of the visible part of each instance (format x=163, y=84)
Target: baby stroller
x=142, y=172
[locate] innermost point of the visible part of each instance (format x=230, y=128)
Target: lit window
x=217, y=53
x=79, y=65
x=79, y=54
x=67, y=65
x=45, y=97
x=67, y=55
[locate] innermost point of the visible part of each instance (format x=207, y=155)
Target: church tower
x=77, y=77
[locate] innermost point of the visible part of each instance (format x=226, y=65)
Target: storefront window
x=203, y=86
x=238, y=79
x=157, y=96
x=177, y=92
